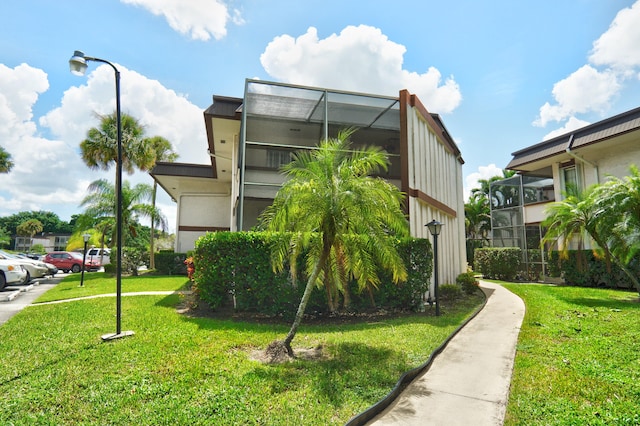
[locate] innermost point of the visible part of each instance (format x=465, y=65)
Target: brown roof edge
x=181, y=169
x=436, y=124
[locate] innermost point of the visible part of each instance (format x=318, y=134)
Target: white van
x=101, y=255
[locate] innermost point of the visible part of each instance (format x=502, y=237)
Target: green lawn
x=55, y=369
x=578, y=357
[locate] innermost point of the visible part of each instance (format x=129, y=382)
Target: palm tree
x=101, y=204
x=5, y=161
x=341, y=215
x=477, y=217
x=29, y=228
x=619, y=201
x=163, y=151
x=100, y=148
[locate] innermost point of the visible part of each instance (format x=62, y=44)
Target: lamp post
x=85, y=237
x=78, y=66
x=435, y=227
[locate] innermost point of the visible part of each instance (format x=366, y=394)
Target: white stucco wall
x=203, y=211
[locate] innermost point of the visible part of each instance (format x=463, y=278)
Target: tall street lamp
x=85, y=237
x=435, y=227
x=78, y=66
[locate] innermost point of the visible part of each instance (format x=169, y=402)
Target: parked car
x=101, y=255
x=34, y=268
x=11, y=273
x=71, y=261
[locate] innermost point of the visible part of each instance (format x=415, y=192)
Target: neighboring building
x=583, y=157
x=50, y=242
x=250, y=138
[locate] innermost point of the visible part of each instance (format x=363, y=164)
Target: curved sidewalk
x=468, y=382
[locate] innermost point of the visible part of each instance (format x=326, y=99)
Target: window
x=570, y=176
x=277, y=158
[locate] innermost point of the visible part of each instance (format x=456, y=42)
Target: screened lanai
x=279, y=119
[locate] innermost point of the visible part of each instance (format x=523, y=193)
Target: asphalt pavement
x=27, y=294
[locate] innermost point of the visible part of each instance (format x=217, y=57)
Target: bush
x=498, y=263
x=168, y=262
x=467, y=281
x=449, y=291
x=584, y=269
x=234, y=269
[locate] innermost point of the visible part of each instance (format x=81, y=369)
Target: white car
x=101, y=255
x=11, y=273
x=34, y=268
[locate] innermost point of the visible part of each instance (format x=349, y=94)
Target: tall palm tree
x=162, y=151
x=100, y=148
x=344, y=218
x=101, y=204
x=477, y=217
x=5, y=161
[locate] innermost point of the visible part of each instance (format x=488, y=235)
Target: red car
x=71, y=261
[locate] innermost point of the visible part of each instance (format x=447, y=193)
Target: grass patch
x=176, y=369
x=100, y=283
x=578, y=357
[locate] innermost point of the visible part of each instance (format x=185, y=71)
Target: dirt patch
x=277, y=354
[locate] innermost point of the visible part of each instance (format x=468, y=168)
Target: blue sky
x=503, y=75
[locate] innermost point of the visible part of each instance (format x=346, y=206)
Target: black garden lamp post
x=78, y=66
x=435, y=227
x=85, y=237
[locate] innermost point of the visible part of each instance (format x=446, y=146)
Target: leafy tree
x=163, y=151
x=5, y=237
x=5, y=161
x=101, y=204
x=29, y=228
x=50, y=222
x=341, y=216
x=618, y=201
x=100, y=148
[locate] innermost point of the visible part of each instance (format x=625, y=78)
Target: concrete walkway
x=468, y=382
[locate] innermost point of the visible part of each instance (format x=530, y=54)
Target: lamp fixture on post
x=85, y=237
x=435, y=227
x=78, y=66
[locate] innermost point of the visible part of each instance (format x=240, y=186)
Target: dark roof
x=588, y=135
x=225, y=107
x=182, y=169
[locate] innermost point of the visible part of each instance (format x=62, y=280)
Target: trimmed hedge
x=233, y=269
x=582, y=268
x=498, y=263
x=168, y=262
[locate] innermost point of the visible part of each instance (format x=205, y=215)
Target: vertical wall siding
x=436, y=172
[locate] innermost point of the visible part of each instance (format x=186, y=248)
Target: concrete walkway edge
x=466, y=381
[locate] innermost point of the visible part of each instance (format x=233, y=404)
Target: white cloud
x=200, y=19
x=162, y=111
x=586, y=90
x=619, y=46
x=484, y=172
x=589, y=89
x=571, y=124
x=359, y=59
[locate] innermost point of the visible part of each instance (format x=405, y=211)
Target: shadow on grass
x=633, y=302
x=341, y=374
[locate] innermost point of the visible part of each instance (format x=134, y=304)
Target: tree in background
x=343, y=217
x=50, y=222
x=5, y=161
x=100, y=148
x=101, y=204
x=29, y=228
x=162, y=151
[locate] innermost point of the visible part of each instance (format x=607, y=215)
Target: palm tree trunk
x=303, y=302
x=152, y=261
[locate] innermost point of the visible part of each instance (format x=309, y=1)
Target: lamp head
x=78, y=63
x=86, y=237
x=434, y=227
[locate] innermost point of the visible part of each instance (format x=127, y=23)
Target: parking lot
x=14, y=298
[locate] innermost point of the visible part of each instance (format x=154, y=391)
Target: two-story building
x=250, y=138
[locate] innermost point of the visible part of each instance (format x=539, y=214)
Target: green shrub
x=467, y=281
x=234, y=269
x=499, y=263
x=168, y=262
x=584, y=269
x=449, y=291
